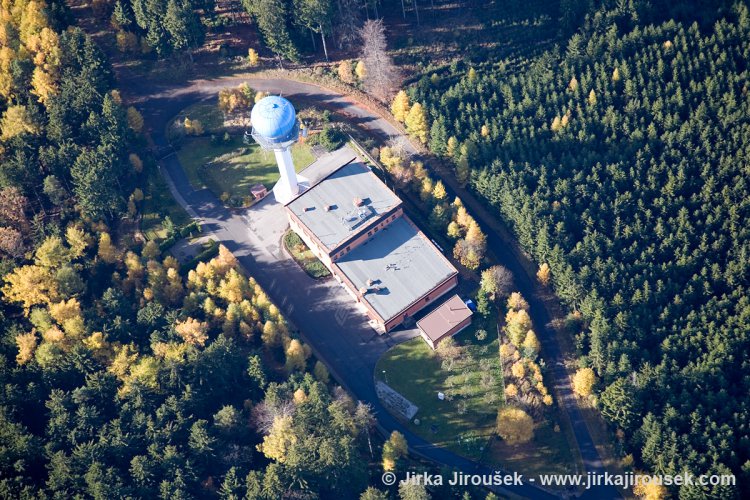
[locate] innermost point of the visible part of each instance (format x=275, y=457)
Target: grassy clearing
x=548, y=453
x=158, y=203
x=233, y=167
x=304, y=256
x=208, y=114
x=465, y=420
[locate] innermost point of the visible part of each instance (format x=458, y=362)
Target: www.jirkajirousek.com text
x=628, y=480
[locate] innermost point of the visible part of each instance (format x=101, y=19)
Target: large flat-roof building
x=357, y=227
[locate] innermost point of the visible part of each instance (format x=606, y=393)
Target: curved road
x=334, y=327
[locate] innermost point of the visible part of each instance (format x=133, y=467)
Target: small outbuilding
x=445, y=321
x=259, y=191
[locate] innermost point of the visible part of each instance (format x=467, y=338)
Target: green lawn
x=157, y=204
x=548, y=453
x=222, y=169
x=465, y=423
x=208, y=114
x=304, y=256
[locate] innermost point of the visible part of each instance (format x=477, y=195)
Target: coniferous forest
x=621, y=160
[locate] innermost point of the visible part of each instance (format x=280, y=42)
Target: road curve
x=350, y=352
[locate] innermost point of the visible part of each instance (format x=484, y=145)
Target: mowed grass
x=548, y=453
x=157, y=204
x=304, y=256
x=209, y=115
x=466, y=423
x=235, y=175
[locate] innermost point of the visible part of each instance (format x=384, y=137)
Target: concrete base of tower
x=283, y=193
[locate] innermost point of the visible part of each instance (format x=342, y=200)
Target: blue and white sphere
x=273, y=118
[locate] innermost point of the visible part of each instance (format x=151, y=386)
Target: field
x=233, y=167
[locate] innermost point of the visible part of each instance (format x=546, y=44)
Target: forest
x=617, y=155
x=123, y=372
x=620, y=160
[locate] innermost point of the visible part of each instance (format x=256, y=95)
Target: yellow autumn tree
x=393, y=449
x=233, y=288
x=52, y=253
x=543, y=274
x=516, y=302
x=67, y=313
x=400, y=106
x=125, y=356
x=135, y=162
x=192, y=331
x=573, y=85
x=592, y=97
x=26, y=343
x=452, y=147
x=77, y=241
x=517, y=323
x=252, y=57
x=650, y=490
x=416, y=122
x=30, y=285
x=107, y=251
x=16, y=121
x=514, y=425
x=360, y=70
x=438, y=192
x=345, y=72
x=135, y=120
x=279, y=440
x=7, y=56
x=43, y=85
x=271, y=335
x=518, y=370
x=583, y=381
x=295, y=356
x=531, y=344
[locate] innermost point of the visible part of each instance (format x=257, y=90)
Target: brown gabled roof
x=443, y=319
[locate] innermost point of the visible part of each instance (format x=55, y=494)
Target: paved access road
x=326, y=316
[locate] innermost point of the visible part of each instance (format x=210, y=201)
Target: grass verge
x=158, y=204
x=304, y=256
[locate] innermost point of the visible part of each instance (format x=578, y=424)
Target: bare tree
x=381, y=78
x=497, y=281
x=264, y=414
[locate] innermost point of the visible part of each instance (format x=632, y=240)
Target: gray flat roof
x=338, y=191
x=401, y=261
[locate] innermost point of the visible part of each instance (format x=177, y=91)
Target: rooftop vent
x=358, y=202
